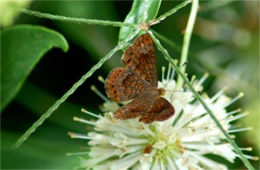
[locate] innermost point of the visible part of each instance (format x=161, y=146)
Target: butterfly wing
x=139, y=106
x=140, y=59
x=131, y=110
x=123, y=85
x=141, y=71
x=148, y=105
x=160, y=110
x=138, y=81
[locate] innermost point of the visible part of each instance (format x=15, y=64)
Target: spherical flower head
x=181, y=142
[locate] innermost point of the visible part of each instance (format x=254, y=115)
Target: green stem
x=168, y=13
x=77, y=20
x=55, y=106
x=199, y=98
x=186, y=40
x=213, y=69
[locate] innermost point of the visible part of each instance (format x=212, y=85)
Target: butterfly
x=138, y=82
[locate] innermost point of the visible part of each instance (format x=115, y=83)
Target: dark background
x=225, y=44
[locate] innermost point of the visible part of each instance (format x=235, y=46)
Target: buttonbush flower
x=180, y=142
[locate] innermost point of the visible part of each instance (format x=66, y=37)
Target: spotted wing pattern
x=140, y=58
x=160, y=110
x=131, y=110
x=123, y=85
x=139, y=105
x=138, y=81
x=149, y=106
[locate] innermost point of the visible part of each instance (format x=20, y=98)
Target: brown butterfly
x=138, y=81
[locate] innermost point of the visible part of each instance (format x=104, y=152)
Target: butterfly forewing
x=140, y=58
x=123, y=85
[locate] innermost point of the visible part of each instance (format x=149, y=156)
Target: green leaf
x=141, y=11
x=22, y=47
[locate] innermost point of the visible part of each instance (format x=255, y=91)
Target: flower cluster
x=180, y=142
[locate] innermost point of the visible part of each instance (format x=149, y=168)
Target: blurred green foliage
x=225, y=44
x=137, y=16
x=23, y=47
x=8, y=10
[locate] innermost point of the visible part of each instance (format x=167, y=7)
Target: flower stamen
x=79, y=136
x=240, y=95
x=95, y=90
x=90, y=113
x=81, y=120
x=179, y=142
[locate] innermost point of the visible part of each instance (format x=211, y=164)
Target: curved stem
x=76, y=20
x=169, y=13
x=200, y=99
x=186, y=40
x=55, y=106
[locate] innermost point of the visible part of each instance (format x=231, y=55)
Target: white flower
x=180, y=142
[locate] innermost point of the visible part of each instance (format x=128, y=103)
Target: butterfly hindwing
x=159, y=110
x=131, y=110
x=139, y=106
x=140, y=58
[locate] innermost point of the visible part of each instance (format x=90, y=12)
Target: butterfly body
x=138, y=82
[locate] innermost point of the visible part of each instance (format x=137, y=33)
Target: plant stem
x=186, y=40
x=168, y=13
x=213, y=69
x=77, y=20
x=55, y=106
x=199, y=98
